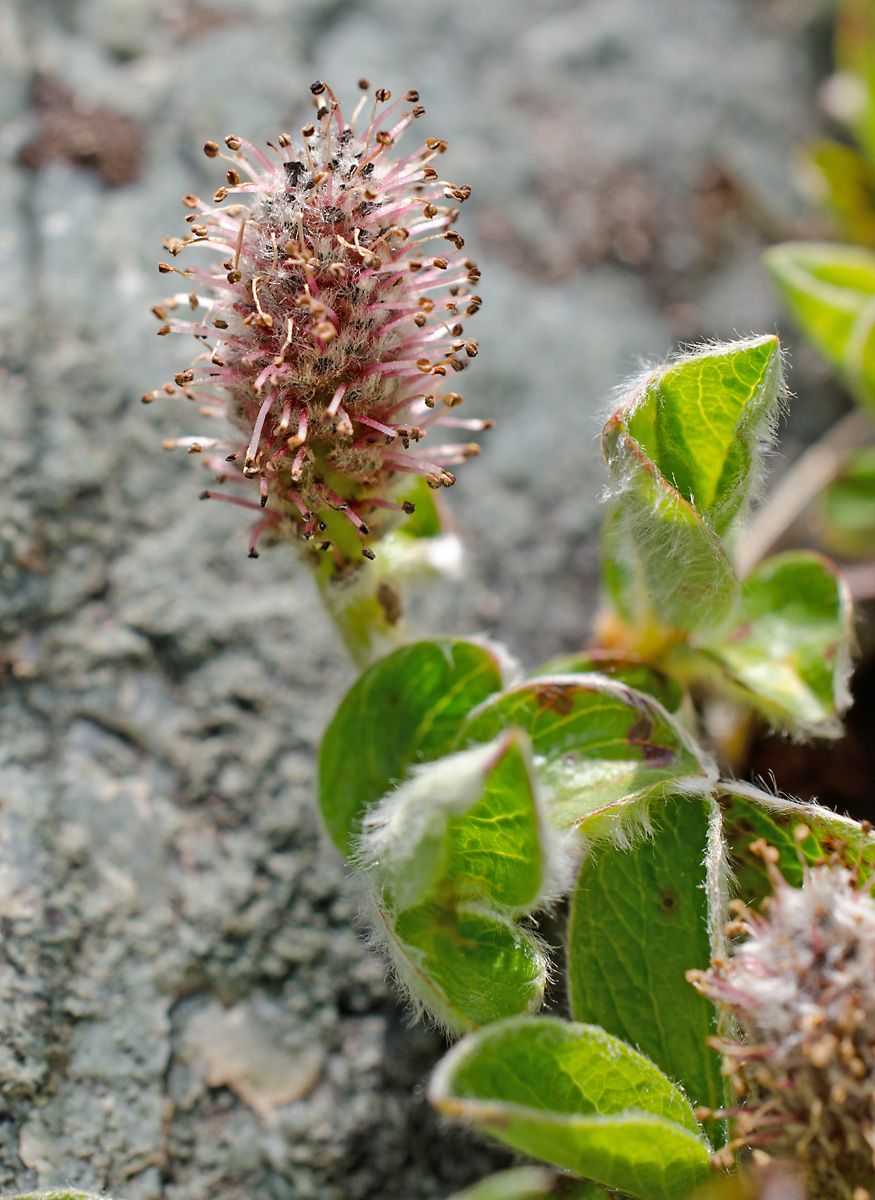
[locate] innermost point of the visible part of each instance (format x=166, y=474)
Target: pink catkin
x=339, y=291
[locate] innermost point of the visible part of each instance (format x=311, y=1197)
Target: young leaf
x=406, y=708
x=451, y=855
x=846, y=507
x=830, y=291
x=468, y=967
x=573, y=1095
x=684, y=452
x=602, y=748
x=640, y=920
x=751, y=815
x=466, y=827
x=789, y=656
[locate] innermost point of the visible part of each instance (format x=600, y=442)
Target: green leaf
x=699, y=421
x=466, y=827
x=467, y=966
x=453, y=853
x=575, y=1096
x=406, y=708
x=625, y=668
x=602, y=748
x=640, y=920
x=684, y=451
x=830, y=292
x=751, y=815
x=846, y=507
x=789, y=656
x=846, y=186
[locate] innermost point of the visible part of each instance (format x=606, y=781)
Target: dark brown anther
x=204, y=496
x=219, y=323
x=165, y=268
x=321, y=114
x=364, y=84
x=409, y=507
x=429, y=173
x=420, y=320
x=383, y=138
x=183, y=378
x=220, y=195
x=383, y=94
x=262, y=502
x=457, y=331
x=368, y=553
x=233, y=143
x=199, y=230
x=234, y=277
x=414, y=265
x=308, y=131
x=160, y=312
x=432, y=143
x=472, y=309
x=451, y=399
x=211, y=149
x=412, y=96
x=190, y=201
x=474, y=275
x=471, y=349
x=317, y=88
x=191, y=217
x=233, y=178
x=457, y=240
x=253, y=553
x=284, y=140
x=430, y=211
x=433, y=481
x=419, y=111
x=364, y=529
x=440, y=263
x=428, y=401
x=147, y=397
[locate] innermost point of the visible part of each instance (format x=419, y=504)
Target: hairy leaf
x=405, y=709
x=789, y=656
x=752, y=816
x=468, y=967
x=466, y=827
x=640, y=920
x=575, y=1096
x=684, y=452
x=601, y=747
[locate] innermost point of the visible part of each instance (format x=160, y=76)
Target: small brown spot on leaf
x=554, y=696
x=652, y=753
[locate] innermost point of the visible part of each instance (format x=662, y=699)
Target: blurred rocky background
x=187, y=1008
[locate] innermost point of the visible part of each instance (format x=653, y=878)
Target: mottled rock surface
x=187, y=1007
